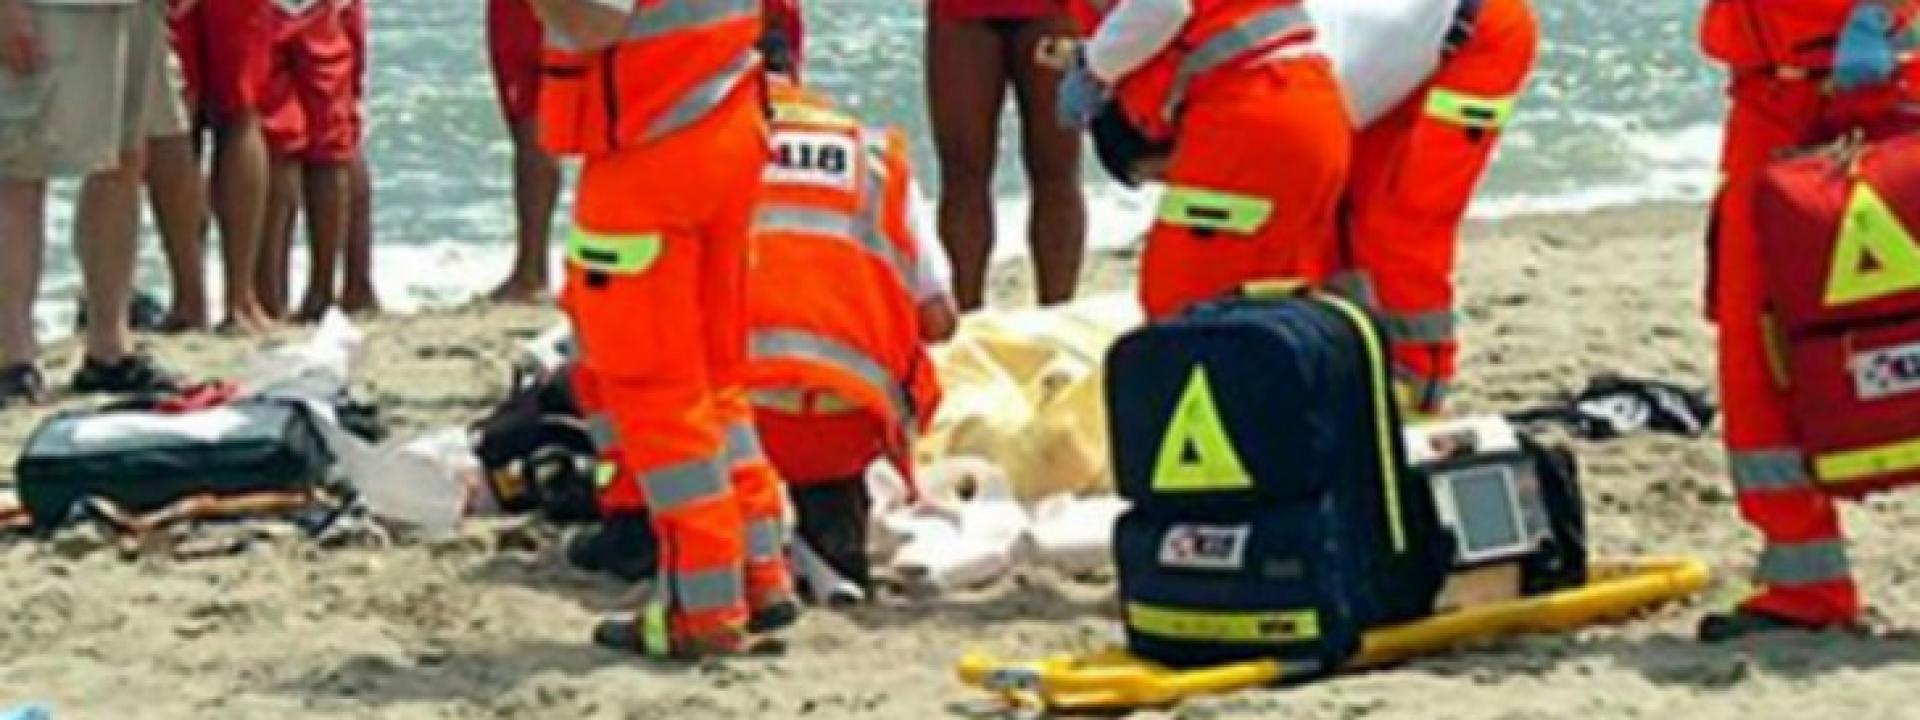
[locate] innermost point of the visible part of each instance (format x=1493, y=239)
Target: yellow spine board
x=1112, y=679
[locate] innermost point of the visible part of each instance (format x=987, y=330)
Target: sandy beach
x=490, y=625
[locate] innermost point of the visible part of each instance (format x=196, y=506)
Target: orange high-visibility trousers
x=1258, y=167
x=1802, y=573
x=656, y=292
x=1414, y=174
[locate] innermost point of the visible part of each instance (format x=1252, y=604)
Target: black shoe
x=1739, y=624
x=22, y=384
x=774, y=618
x=833, y=522
x=623, y=546
x=135, y=374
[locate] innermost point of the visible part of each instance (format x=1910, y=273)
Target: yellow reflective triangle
x=1875, y=255
x=1197, y=455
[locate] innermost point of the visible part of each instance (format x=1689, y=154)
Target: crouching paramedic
x=1802, y=73
x=848, y=284
x=1260, y=137
x=1430, y=84
x=664, y=101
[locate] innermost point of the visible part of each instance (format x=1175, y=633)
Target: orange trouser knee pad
x=1275, y=136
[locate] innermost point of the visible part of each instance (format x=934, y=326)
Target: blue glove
x=1082, y=96
x=1866, y=53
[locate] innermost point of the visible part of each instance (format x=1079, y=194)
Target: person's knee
x=131, y=167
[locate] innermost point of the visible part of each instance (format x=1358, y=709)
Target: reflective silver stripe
x=803, y=346
x=795, y=401
x=1354, y=285
x=601, y=431
x=1251, y=34
x=1430, y=328
x=743, y=445
x=764, y=539
x=705, y=97
x=1762, y=471
x=559, y=40
x=709, y=590
x=862, y=231
x=678, y=486
x=674, y=16
x=1803, y=564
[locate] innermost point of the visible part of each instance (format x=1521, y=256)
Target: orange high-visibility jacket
x=833, y=306
x=676, y=63
x=1219, y=35
x=1771, y=34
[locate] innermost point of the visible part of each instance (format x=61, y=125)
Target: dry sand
x=485, y=627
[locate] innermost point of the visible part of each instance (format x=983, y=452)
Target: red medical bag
x=1838, y=231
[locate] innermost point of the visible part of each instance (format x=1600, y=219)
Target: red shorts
x=514, y=40
x=816, y=449
x=225, y=49
x=311, y=110
x=993, y=9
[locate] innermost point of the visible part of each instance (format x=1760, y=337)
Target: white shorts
x=109, y=83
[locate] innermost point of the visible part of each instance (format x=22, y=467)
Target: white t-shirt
x=933, y=278
x=1382, y=50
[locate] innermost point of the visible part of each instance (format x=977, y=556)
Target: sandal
x=135, y=374
x=22, y=383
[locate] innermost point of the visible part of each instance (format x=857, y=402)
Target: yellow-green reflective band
x=656, y=637
x=1210, y=210
x=808, y=114
x=1384, y=432
x=614, y=254
x=1875, y=255
x=604, y=473
x=1459, y=108
x=1845, y=467
x=1234, y=627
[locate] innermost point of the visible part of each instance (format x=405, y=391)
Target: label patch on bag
x=1197, y=454
x=1886, y=372
x=814, y=158
x=1205, y=547
x=1875, y=255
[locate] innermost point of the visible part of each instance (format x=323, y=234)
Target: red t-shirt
x=993, y=9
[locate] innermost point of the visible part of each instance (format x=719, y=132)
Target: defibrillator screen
x=1487, y=512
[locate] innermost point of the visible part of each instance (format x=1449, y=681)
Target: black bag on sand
x=1274, y=515
x=143, y=460
x=1562, y=563
x=537, y=451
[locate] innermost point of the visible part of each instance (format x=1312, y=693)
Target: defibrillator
x=1485, y=486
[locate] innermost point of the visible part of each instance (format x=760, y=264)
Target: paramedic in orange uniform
x=1420, y=153
x=849, y=284
x=673, y=137
x=1261, y=138
x=1801, y=73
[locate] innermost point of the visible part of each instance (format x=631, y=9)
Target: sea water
x=1621, y=110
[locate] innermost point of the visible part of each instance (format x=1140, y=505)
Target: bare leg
x=327, y=187
x=536, y=189
x=966, y=85
x=359, y=295
x=105, y=236
x=240, y=198
x=178, y=194
x=1057, y=228
x=272, y=275
x=23, y=243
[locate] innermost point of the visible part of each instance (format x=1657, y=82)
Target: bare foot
x=312, y=309
x=248, y=321
x=360, y=303
x=177, y=323
x=520, y=290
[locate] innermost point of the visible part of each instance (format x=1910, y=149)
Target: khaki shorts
x=108, y=85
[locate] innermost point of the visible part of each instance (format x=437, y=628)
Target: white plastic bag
x=964, y=530
x=1075, y=534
